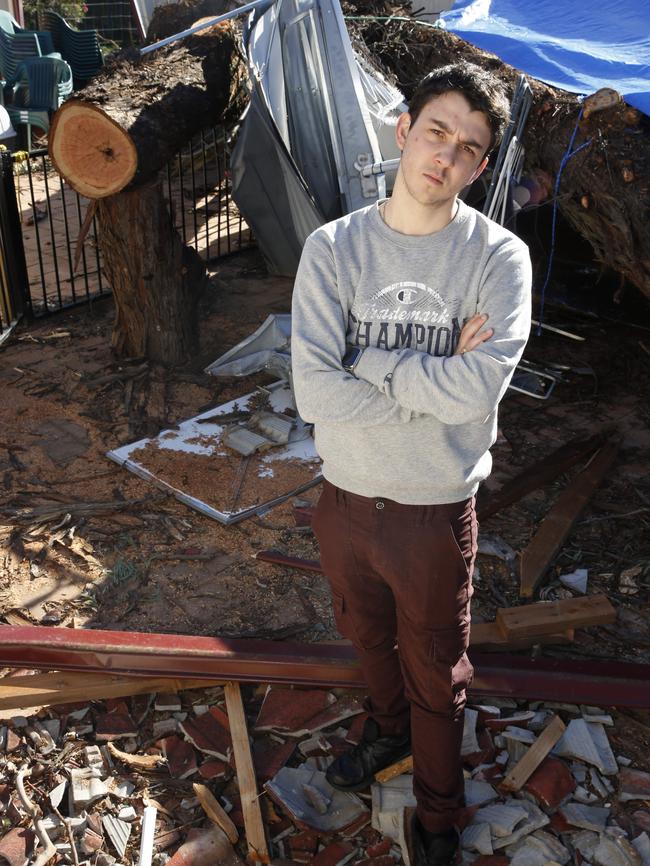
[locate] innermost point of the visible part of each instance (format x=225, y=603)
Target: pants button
x=379, y=504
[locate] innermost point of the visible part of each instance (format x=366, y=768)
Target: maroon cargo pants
x=401, y=585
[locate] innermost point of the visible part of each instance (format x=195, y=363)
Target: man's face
x=443, y=150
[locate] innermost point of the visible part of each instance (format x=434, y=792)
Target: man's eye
x=468, y=150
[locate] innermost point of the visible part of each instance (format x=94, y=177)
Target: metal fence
x=41, y=218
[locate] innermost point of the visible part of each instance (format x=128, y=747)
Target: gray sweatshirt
x=417, y=422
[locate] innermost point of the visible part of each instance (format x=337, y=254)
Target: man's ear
x=479, y=171
x=402, y=129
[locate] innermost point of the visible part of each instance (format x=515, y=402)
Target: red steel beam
x=134, y=653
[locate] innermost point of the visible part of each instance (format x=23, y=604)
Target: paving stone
x=551, y=783
x=520, y=735
x=582, y=795
x=334, y=854
x=208, y=735
x=470, y=743
x=633, y=784
x=608, y=764
x=16, y=846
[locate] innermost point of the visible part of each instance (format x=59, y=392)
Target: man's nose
x=446, y=153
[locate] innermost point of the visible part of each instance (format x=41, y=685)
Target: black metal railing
x=41, y=218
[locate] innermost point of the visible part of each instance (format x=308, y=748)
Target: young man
x=394, y=363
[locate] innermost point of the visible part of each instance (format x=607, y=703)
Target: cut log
x=138, y=113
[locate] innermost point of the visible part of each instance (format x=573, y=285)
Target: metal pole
x=241, y=10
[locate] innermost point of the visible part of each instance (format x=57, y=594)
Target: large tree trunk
x=110, y=144
x=155, y=306
x=604, y=188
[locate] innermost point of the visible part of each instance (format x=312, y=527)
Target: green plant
x=72, y=10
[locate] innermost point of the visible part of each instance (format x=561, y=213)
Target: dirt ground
x=86, y=543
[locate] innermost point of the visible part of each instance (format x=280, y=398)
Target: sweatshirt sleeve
x=324, y=392
x=464, y=388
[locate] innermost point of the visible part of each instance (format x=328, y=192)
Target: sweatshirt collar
x=414, y=242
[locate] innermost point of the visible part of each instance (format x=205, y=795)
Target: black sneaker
x=356, y=768
x=434, y=849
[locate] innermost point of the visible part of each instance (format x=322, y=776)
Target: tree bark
x=110, y=144
x=139, y=112
x=155, y=278
x=604, y=192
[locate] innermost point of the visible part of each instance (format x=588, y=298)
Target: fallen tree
x=604, y=188
x=110, y=144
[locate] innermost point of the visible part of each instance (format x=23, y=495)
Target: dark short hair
x=482, y=89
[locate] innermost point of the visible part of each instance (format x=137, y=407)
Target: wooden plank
x=546, y=617
x=524, y=768
x=255, y=836
x=538, y=475
x=488, y=636
x=215, y=812
x=388, y=773
x=559, y=521
x=52, y=688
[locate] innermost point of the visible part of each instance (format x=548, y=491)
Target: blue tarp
x=578, y=46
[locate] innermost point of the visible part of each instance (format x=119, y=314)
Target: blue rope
x=569, y=152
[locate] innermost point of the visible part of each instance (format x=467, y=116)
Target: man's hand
x=471, y=336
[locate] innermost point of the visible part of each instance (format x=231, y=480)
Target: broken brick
x=551, y=783
x=376, y=861
x=13, y=741
x=115, y=725
x=221, y=717
x=181, y=757
x=633, y=785
x=269, y=757
x=559, y=824
x=214, y=769
x=16, y=846
x=303, y=846
x=642, y=819
x=288, y=710
x=333, y=854
x=380, y=848
x=356, y=729
x=208, y=735
x=491, y=860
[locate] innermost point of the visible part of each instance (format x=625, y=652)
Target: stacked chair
x=41, y=85
x=80, y=48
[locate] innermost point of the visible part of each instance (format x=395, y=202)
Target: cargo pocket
x=448, y=649
x=342, y=621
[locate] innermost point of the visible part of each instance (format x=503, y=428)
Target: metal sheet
x=168, y=655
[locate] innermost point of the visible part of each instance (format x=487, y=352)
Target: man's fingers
x=472, y=326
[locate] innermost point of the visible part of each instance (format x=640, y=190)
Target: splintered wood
x=524, y=769
x=553, y=616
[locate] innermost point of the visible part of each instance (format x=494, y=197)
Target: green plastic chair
x=42, y=84
x=79, y=47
